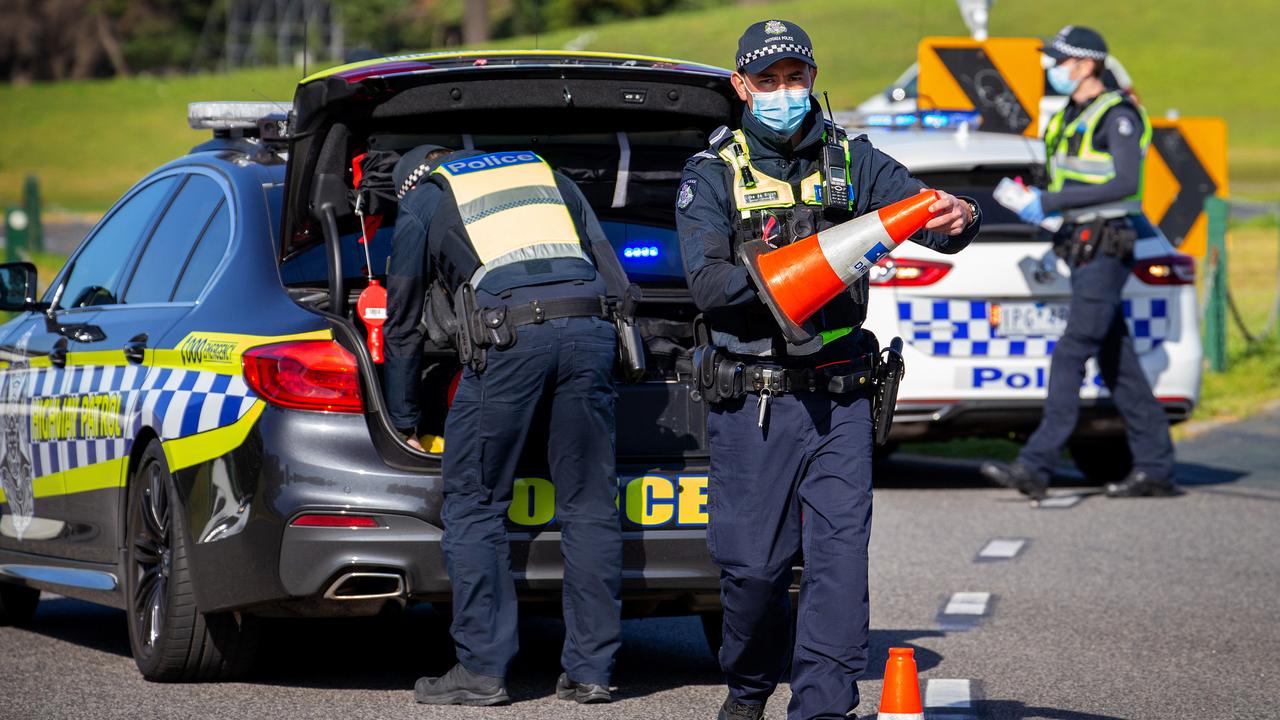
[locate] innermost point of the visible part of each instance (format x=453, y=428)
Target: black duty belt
x=838, y=379
x=540, y=311
x=479, y=329
x=736, y=378
x=723, y=377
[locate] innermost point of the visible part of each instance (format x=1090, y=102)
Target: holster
x=704, y=364
x=1118, y=238
x=888, y=375
x=631, y=362
x=439, y=317
x=470, y=351
x=1111, y=236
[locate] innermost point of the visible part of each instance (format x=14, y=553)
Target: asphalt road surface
x=1156, y=608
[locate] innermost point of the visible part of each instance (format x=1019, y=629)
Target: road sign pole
x=31, y=203
x=1215, y=310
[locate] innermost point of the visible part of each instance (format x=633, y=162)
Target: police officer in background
x=517, y=248
x=790, y=470
x=1095, y=148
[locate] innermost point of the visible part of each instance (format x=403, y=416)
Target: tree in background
x=66, y=39
x=58, y=40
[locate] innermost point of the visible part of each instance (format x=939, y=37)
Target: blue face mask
x=781, y=110
x=1060, y=80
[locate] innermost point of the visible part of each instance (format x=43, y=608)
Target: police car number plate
x=1023, y=319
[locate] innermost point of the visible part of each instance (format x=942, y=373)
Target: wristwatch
x=973, y=212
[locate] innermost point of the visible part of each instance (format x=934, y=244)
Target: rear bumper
x=248, y=556
x=944, y=419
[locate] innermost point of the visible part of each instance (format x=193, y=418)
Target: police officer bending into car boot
x=791, y=463
x=511, y=241
x=1095, y=148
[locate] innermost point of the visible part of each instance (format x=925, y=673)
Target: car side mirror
x=17, y=286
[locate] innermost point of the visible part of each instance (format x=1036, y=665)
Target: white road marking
x=948, y=695
x=967, y=603
x=1058, y=502
x=1002, y=549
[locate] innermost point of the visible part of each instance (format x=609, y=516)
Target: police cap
x=1074, y=41
x=412, y=167
x=769, y=41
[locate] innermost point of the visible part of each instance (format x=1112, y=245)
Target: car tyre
x=17, y=604
x=171, y=639
x=1102, y=459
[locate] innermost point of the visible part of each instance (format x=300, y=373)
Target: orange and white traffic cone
x=900, y=698
x=796, y=280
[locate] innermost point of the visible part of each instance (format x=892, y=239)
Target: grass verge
x=89, y=141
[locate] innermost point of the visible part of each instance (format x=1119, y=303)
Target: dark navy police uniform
x=1094, y=153
x=1096, y=326
x=801, y=484
x=458, y=227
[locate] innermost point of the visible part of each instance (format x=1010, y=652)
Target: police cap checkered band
x=1074, y=41
x=412, y=167
x=767, y=42
x=411, y=181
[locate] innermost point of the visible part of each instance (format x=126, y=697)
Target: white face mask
x=782, y=110
x=1060, y=79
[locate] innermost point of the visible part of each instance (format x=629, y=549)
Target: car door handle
x=135, y=351
x=58, y=354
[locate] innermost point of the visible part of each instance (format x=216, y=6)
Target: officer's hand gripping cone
x=796, y=280
x=900, y=698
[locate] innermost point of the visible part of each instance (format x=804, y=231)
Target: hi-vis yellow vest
x=753, y=190
x=511, y=209
x=1072, y=156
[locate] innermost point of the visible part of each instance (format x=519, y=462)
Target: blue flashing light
x=932, y=119
x=641, y=252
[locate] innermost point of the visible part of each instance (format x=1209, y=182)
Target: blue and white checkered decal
x=962, y=328
x=177, y=402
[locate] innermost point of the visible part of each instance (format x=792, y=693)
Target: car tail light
x=305, y=375
x=335, y=521
x=1166, y=270
x=908, y=272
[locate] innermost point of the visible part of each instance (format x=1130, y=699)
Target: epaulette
x=718, y=139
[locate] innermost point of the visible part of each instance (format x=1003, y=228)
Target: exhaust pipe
x=366, y=586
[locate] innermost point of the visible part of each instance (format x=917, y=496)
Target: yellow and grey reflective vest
x=759, y=197
x=753, y=190
x=1072, y=157
x=511, y=211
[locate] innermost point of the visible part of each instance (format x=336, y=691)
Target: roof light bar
x=231, y=115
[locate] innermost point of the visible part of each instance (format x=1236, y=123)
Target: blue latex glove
x=1033, y=213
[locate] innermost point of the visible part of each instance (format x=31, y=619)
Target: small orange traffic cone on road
x=796, y=280
x=900, y=699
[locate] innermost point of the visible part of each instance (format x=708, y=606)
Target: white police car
x=979, y=326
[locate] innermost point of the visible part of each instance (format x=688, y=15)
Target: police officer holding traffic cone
x=530, y=274
x=790, y=423
x=1095, y=148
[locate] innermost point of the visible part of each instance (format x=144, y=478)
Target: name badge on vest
x=759, y=197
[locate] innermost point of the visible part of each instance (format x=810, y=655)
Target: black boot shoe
x=1015, y=476
x=732, y=710
x=1141, y=484
x=460, y=686
x=584, y=693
